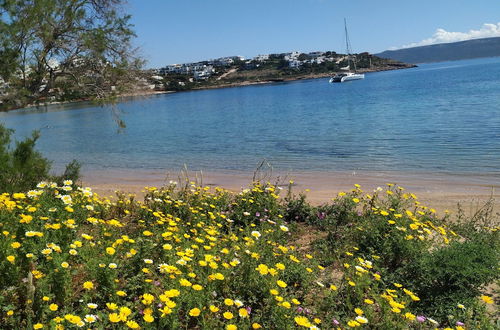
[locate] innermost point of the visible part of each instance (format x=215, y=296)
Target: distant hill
x=487, y=47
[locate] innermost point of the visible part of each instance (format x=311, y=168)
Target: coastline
x=149, y=93
x=439, y=191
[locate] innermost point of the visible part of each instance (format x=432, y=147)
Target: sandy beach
x=439, y=191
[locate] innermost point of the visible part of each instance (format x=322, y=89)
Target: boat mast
x=348, y=47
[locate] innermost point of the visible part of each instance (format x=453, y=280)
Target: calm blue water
x=442, y=117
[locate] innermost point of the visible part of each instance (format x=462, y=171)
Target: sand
x=439, y=191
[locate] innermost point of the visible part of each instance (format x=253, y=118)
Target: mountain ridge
x=461, y=50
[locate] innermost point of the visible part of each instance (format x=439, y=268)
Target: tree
x=65, y=50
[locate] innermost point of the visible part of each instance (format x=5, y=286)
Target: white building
x=294, y=64
x=261, y=58
x=203, y=73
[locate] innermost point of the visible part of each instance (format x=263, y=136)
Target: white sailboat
x=349, y=75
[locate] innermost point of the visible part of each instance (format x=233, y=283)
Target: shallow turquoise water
x=442, y=117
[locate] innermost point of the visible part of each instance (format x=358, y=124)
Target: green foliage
x=23, y=167
x=60, y=50
x=453, y=274
x=298, y=209
x=384, y=261
x=410, y=245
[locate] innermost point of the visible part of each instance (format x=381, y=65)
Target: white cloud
x=488, y=30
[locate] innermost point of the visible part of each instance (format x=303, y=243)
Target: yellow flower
x=194, y=312
x=111, y=306
x=358, y=311
x=114, y=317
x=487, y=299
x=147, y=299
x=53, y=307
x=256, y=326
x=90, y=318
x=228, y=315
x=243, y=312
x=410, y=316
x=88, y=285
x=214, y=309
x=184, y=282
x=197, y=287
x=231, y=327
x=281, y=284
x=353, y=324
x=361, y=319
x=11, y=259
x=302, y=321
x=125, y=312
x=110, y=250
x=121, y=293
x=256, y=234
x=38, y=326
x=64, y=264
x=229, y=302
x=219, y=276
x=148, y=318
x=132, y=324
x=369, y=301
x=16, y=245
x=263, y=269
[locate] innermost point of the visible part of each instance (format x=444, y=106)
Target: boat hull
x=349, y=77
x=353, y=77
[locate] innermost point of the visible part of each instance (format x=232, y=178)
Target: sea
x=435, y=118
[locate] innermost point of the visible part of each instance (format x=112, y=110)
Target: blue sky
x=179, y=31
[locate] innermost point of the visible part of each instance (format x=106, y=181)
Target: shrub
x=23, y=167
x=453, y=274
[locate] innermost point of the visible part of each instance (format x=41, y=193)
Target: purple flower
x=421, y=318
x=249, y=309
x=336, y=322
x=300, y=309
x=257, y=214
x=321, y=215
x=460, y=323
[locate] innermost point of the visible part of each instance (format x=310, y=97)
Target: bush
x=23, y=167
x=453, y=274
x=409, y=244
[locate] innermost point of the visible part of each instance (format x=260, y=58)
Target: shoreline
x=149, y=93
x=441, y=192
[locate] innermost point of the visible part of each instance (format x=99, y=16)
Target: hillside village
x=234, y=70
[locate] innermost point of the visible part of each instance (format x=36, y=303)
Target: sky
x=181, y=31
